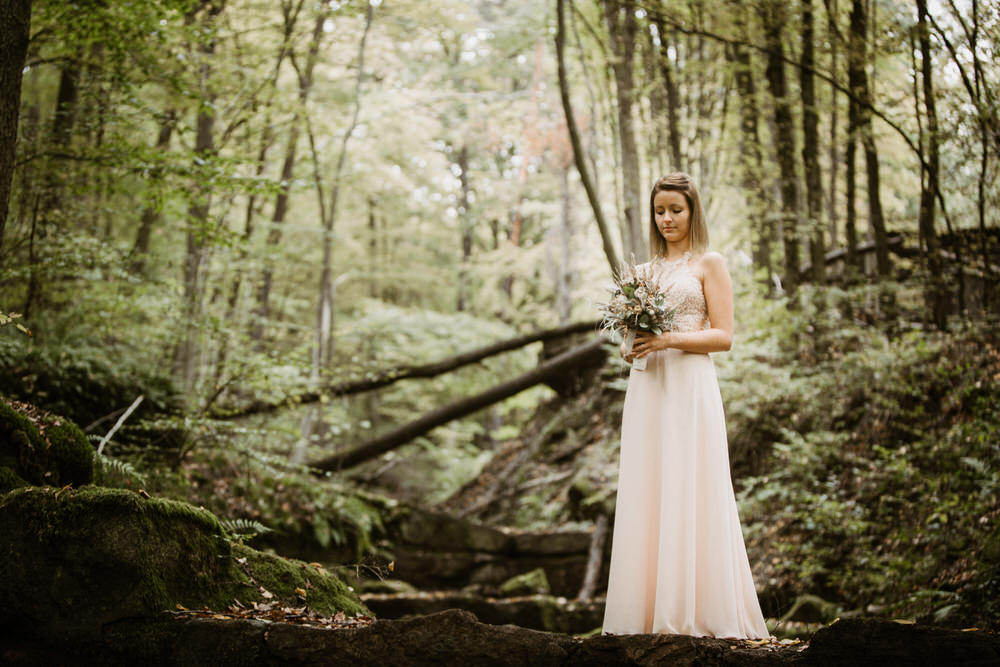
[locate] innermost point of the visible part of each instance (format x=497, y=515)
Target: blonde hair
x=697, y=230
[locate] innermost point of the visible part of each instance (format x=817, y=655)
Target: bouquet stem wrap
x=637, y=364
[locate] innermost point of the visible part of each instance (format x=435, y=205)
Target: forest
x=306, y=293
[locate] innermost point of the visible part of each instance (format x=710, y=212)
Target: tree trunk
x=15, y=22
x=751, y=156
x=834, y=38
x=784, y=141
x=186, y=355
x=936, y=295
x=583, y=355
x=622, y=26
x=262, y=310
x=152, y=212
x=810, y=147
x=323, y=351
x=563, y=295
x=673, y=95
x=858, y=80
x=574, y=134
x=466, y=226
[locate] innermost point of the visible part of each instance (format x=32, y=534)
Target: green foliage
x=243, y=529
x=82, y=381
x=877, y=490
x=114, y=472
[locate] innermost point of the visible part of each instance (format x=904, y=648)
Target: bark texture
x=15, y=20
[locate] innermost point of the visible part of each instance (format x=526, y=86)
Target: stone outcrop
x=457, y=638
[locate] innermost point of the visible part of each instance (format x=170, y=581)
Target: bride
x=678, y=562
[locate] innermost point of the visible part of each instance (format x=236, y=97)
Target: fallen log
x=387, y=377
x=582, y=355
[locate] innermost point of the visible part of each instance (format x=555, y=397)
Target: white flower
x=641, y=293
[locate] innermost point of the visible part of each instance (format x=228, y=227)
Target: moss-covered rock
x=54, y=451
x=73, y=560
x=528, y=583
x=9, y=480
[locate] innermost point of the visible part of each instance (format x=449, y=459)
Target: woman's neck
x=677, y=250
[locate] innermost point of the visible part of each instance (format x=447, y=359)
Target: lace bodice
x=684, y=292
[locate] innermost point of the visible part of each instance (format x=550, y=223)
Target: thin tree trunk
x=262, y=310
x=186, y=355
x=563, y=296
x=834, y=38
x=574, y=134
x=784, y=142
x=373, y=255
x=751, y=157
x=152, y=212
x=323, y=351
x=15, y=22
x=466, y=226
x=594, y=558
x=810, y=147
x=622, y=26
x=858, y=80
x=929, y=183
x=673, y=95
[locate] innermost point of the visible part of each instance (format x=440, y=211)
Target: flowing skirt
x=678, y=561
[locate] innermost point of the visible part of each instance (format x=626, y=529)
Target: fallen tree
x=387, y=377
x=583, y=356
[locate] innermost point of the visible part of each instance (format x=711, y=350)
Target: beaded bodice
x=684, y=292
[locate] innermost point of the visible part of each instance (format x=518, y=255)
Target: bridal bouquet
x=637, y=304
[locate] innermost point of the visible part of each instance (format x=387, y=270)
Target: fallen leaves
x=276, y=613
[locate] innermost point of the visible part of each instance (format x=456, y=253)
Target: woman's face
x=672, y=215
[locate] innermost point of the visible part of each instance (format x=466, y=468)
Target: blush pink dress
x=678, y=561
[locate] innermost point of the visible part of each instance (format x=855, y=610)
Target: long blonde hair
x=697, y=230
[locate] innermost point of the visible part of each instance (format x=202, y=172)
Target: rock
x=811, y=609
x=389, y=586
x=863, y=642
x=72, y=561
x=456, y=637
x=551, y=543
x=528, y=583
x=440, y=531
x=538, y=612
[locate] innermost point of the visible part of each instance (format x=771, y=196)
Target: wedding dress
x=678, y=561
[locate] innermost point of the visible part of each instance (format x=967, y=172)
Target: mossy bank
x=74, y=560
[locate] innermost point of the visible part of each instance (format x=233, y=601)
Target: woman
x=678, y=562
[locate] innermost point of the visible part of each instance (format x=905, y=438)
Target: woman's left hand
x=646, y=343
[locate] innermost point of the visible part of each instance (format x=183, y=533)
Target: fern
x=243, y=529
x=115, y=472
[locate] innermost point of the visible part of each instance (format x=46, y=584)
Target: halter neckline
x=683, y=259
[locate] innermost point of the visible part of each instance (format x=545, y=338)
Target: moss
x=72, y=560
x=71, y=454
x=324, y=592
x=61, y=456
x=528, y=583
x=9, y=480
